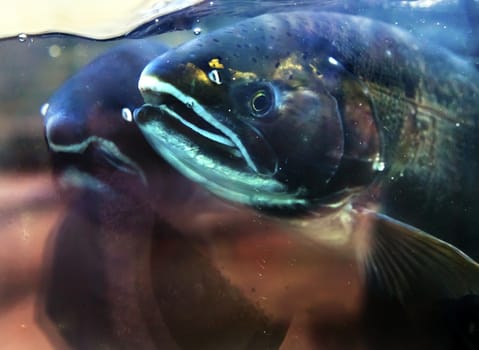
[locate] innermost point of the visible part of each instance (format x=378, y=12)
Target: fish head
x=88, y=139
x=255, y=114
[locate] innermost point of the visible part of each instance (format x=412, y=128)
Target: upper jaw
x=171, y=101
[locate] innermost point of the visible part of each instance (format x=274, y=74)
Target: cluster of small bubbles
x=22, y=37
x=126, y=114
x=196, y=30
x=54, y=51
x=378, y=163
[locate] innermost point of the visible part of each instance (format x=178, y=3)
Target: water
x=116, y=249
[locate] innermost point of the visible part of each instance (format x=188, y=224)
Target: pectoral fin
x=407, y=264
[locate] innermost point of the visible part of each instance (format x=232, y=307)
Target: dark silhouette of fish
x=84, y=127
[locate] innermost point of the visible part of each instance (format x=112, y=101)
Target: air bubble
x=333, y=61
x=197, y=31
x=54, y=51
x=44, y=109
x=126, y=114
x=22, y=37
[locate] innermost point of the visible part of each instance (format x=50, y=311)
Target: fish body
x=307, y=114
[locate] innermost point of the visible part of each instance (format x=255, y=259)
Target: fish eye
x=261, y=102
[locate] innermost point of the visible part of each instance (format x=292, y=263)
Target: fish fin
x=409, y=265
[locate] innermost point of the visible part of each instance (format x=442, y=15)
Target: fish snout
x=63, y=131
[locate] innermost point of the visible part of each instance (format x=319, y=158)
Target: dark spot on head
x=271, y=37
x=304, y=56
x=288, y=33
x=257, y=48
x=273, y=28
x=266, y=57
x=277, y=65
x=253, y=59
x=200, y=45
x=235, y=55
x=239, y=46
x=216, y=40
x=290, y=77
x=244, y=31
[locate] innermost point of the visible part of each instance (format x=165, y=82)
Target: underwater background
x=35, y=211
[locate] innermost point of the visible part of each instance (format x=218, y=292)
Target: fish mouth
x=205, y=150
x=102, y=151
x=187, y=117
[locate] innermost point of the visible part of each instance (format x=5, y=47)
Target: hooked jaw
x=167, y=98
x=66, y=136
x=203, y=148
